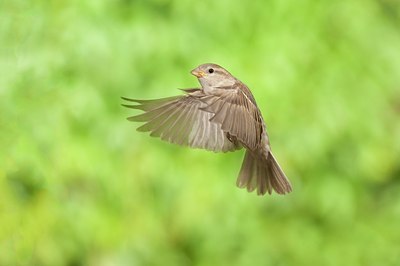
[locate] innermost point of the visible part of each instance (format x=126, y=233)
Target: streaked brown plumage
x=220, y=116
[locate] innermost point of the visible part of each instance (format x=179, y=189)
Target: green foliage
x=79, y=186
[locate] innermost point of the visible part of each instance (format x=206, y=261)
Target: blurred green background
x=79, y=185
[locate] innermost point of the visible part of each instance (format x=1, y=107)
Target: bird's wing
x=235, y=109
x=182, y=121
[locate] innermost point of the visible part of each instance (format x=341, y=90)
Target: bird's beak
x=198, y=73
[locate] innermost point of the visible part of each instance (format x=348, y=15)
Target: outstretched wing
x=235, y=109
x=181, y=120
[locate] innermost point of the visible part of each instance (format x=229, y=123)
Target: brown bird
x=220, y=116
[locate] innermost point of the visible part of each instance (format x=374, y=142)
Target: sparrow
x=220, y=116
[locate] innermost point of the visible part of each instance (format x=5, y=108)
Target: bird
x=221, y=116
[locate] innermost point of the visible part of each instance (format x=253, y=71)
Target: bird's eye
x=211, y=70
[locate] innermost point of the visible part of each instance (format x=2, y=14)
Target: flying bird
x=220, y=116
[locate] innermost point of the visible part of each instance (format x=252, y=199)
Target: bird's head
x=213, y=75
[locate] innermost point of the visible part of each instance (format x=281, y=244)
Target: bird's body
x=220, y=116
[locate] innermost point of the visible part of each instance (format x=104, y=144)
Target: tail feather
x=283, y=185
x=246, y=174
x=265, y=175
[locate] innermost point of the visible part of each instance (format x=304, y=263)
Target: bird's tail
x=265, y=175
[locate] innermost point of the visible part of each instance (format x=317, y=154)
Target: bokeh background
x=80, y=186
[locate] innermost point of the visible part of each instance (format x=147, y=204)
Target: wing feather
x=235, y=110
x=182, y=120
